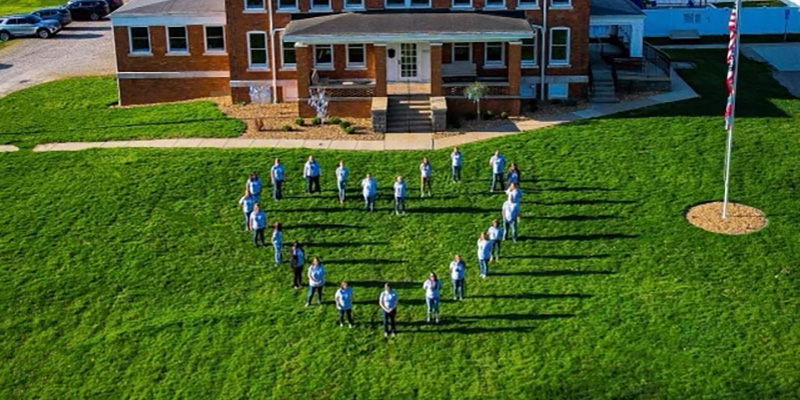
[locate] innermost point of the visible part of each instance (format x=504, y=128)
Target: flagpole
x=729, y=146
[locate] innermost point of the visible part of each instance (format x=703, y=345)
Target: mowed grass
x=83, y=109
x=125, y=273
x=18, y=6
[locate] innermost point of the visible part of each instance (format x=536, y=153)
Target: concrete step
x=603, y=99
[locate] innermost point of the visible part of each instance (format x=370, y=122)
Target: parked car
x=27, y=25
x=60, y=14
x=88, y=9
x=114, y=4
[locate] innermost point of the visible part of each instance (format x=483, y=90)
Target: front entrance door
x=403, y=62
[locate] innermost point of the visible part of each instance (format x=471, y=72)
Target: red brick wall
x=457, y=108
x=577, y=19
x=160, y=61
x=341, y=108
x=145, y=91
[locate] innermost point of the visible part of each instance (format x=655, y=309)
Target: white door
x=403, y=62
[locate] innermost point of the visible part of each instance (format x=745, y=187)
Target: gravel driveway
x=82, y=48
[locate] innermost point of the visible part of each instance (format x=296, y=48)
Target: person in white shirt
x=388, y=303
x=369, y=188
x=399, y=196
x=342, y=173
x=425, y=178
x=484, y=252
x=253, y=185
x=277, y=242
x=311, y=172
x=458, y=275
x=316, y=280
x=495, y=235
x=344, y=303
x=258, y=222
x=247, y=202
x=432, y=287
x=455, y=165
x=497, y=162
x=276, y=176
x=510, y=216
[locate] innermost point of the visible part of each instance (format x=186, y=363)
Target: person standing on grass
x=344, y=303
x=458, y=274
x=342, y=173
x=399, y=196
x=311, y=172
x=254, y=186
x=258, y=222
x=388, y=303
x=497, y=162
x=513, y=176
x=276, y=176
x=514, y=193
x=484, y=253
x=277, y=242
x=247, y=202
x=455, y=165
x=296, y=262
x=425, y=178
x=510, y=216
x=432, y=287
x=495, y=235
x=316, y=281
x=369, y=188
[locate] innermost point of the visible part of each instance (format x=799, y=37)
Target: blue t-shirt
x=389, y=299
x=510, y=211
x=498, y=162
x=457, y=270
x=515, y=194
x=277, y=172
x=311, y=169
x=425, y=170
x=344, y=298
x=369, y=187
x=400, y=190
x=254, y=185
x=484, y=249
x=455, y=158
x=247, y=202
x=258, y=220
x=513, y=177
x=342, y=174
x=316, y=275
x=432, y=288
x=277, y=238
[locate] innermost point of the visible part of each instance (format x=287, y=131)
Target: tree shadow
x=4, y=66
x=79, y=36
x=514, y=317
x=533, y=296
x=344, y=244
x=578, y=202
x=574, y=189
x=86, y=28
x=552, y=272
x=578, y=218
x=379, y=284
x=365, y=261
x=558, y=256
x=322, y=226
x=594, y=236
x=467, y=330
x=451, y=210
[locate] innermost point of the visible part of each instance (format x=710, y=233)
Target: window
x=140, y=39
x=321, y=4
x=561, y=3
x=462, y=3
x=559, y=46
x=215, y=38
x=287, y=4
x=257, y=49
x=493, y=56
x=353, y=3
x=323, y=56
x=288, y=55
x=528, y=4
x=462, y=52
x=253, y=4
x=495, y=3
x=356, y=56
x=557, y=90
x=528, y=52
x=691, y=18
x=177, y=40
x=407, y=3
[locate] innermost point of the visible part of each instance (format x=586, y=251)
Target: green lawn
x=82, y=109
x=16, y=6
x=124, y=273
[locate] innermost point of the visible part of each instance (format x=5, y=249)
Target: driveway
x=82, y=48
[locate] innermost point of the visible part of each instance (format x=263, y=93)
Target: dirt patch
x=741, y=219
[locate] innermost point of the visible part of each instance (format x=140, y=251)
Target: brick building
x=378, y=58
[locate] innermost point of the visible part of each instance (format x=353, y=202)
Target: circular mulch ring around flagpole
x=741, y=219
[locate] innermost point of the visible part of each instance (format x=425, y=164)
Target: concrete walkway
x=8, y=148
x=411, y=141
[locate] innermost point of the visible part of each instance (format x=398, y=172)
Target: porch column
x=379, y=53
x=436, y=69
x=303, y=66
x=637, y=38
x=514, y=71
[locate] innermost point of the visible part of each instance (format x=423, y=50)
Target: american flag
x=729, y=79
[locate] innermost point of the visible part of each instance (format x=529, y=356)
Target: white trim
x=409, y=37
x=560, y=6
x=313, y=8
x=280, y=82
x=173, y=75
x=167, y=19
x=149, y=51
x=325, y=66
x=461, y=6
x=550, y=47
x=453, y=52
x=171, y=52
x=205, y=41
x=353, y=8
x=259, y=67
x=280, y=8
x=262, y=8
x=352, y=65
x=406, y=4
x=603, y=20
x=493, y=64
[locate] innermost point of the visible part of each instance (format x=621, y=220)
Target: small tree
x=319, y=100
x=475, y=92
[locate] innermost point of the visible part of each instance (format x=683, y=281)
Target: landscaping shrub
x=345, y=124
x=334, y=120
x=316, y=121
x=299, y=121
x=350, y=130
x=504, y=115
x=489, y=114
x=287, y=128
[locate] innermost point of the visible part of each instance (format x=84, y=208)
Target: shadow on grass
x=595, y=236
x=365, y=261
x=574, y=189
x=451, y=210
x=533, y=296
x=578, y=202
x=578, y=218
x=393, y=284
x=344, y=244
x=513, y=317
x=323, y=226
x=552, y=272
x=558, y=256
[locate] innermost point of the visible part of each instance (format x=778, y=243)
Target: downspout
x=274, y=73
x=543, y=63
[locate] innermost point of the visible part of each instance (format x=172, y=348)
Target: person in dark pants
x=253, y=185
x=258, y=222
x=311, y=172
x=344, y=303
x=458, y=275
x=455, y=165
x=425, y=178
x=399, y=196
x=513, y=176
x=277, y=242
x=316, y=281
x=297, y=261
x=497, y=162
x=495, y=234
x=388, y=303
x=247, y=202
x=276, y=176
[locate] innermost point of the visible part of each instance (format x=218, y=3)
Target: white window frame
x=494, y=6
x=535, y=62
x=256, y=9
x=407, y=4
x=281, y=8
x=531, y=5
x=259, y=67
x=353, y=7
x=224, y=49
x=453, y=52
x=172, y=52
x=557, y=96
x=353, y=65
x=454, y=5
x=558, y=6
x=550, y=47
x=130, y=41
x=315, y=8
x=326, y=66
x=494, y=64
x=284, y=65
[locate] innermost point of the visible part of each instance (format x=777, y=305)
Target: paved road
x=82, y=48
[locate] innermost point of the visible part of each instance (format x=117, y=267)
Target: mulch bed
x=741, y=219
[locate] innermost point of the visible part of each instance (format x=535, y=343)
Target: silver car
x=27, y=25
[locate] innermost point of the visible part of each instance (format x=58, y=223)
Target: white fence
x=714, y=21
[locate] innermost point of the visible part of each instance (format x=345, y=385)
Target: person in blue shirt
x=296, y=262
x=425, y=178
x=484, y=253
x=514, y=193
x=258, y=222
x=432, y=286
x=513, y=174
x=369, y=188
x=510, y=215
x=254, y=186
x=455, y=165
x=277, y=242
x=247, y=202
x=276, y=176
x=495, y=234
x=316, y=281
x=458, y=274
x=311, y=172
x=497, y=162
x=344, y=303
x=399, y=196
x=342, y=173
x=388, y=303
